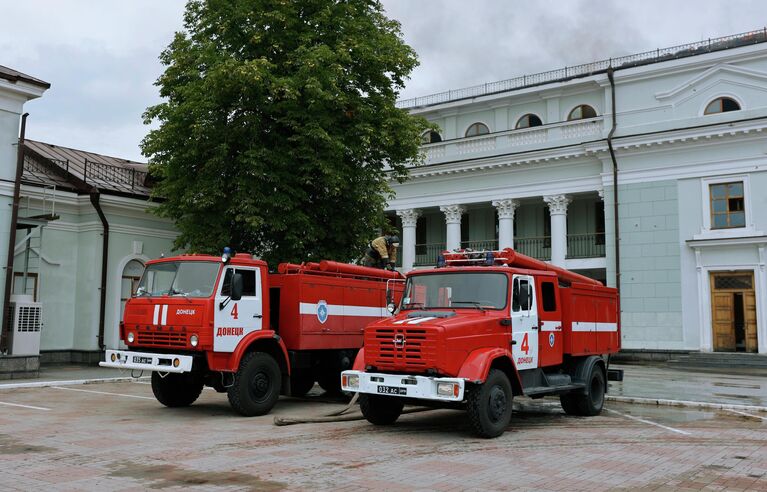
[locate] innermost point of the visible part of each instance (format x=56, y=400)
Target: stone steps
x=729, y=359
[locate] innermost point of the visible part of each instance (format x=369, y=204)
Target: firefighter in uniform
x=382, y=252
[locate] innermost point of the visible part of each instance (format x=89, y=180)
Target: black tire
x=176, y=390
x=590, y=402
x=256, y=385
x=300, y=383
x=381, y=410
x=489, y=405
x=330, y=381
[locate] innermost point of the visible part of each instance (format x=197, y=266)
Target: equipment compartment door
x=550, y=315
x=524, y=322
x=235, y=319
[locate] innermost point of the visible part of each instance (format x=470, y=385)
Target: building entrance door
x=733, y=305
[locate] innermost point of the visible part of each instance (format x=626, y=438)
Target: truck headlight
x=194, y=340
x=447, y=389
x=131, y=337
x=350, y=381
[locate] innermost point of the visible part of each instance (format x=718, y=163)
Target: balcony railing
x=509, y=140
x=586, y=245
x=426, y=254
x=537, y=247
x=578, y=246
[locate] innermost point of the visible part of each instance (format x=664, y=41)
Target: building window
x=722, y=105
x=528, y=121
x=582, y=112
x=430, y=137
x=477, y=129
x=727, y=205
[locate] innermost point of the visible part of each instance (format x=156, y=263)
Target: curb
x=73, y=382
x=685, y=403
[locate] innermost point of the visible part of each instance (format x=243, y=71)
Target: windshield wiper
x=414, y=305
x=476, y=304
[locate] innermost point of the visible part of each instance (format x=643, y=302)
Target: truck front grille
x=401, y=349
x=162, y=338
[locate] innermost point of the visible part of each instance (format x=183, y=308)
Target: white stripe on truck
x=592, y=326
x=343, y=310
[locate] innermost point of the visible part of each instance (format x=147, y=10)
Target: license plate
x=142, y=360
x=392, y=390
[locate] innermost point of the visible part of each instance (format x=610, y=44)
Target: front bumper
x=147, y=361
x=405, y=386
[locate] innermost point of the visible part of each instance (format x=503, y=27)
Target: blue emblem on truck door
x=322, y=311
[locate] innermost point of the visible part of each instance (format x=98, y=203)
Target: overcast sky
x=101, y=55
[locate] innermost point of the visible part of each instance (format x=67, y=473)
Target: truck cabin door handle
x=258, y=315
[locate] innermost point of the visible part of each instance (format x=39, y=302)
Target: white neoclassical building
x=532, y=163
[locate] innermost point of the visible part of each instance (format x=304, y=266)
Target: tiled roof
x=14, y=75
x=77, y=170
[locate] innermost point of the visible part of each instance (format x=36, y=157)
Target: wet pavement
x=115, y=436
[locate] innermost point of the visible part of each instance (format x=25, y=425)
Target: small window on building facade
x=722, y=105
x=529, y=120
x=728, y=208
x=582, y=112
x=430, y=137
x=477, y=129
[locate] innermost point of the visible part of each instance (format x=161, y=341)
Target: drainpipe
x=615, y=182
x=95, y=195
x=12, y=236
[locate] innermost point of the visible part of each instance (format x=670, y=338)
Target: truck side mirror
x=236, y=287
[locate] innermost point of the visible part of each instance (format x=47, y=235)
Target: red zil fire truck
x=226, y=322
x=482, y=328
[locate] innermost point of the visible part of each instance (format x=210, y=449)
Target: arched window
x=129, y=283
x=582, y=112
x=722, y=105
x=430, y=137
x=477, y=129
x=529, y=120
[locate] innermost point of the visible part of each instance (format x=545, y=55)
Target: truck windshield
x=182, y=278
x=456, y=290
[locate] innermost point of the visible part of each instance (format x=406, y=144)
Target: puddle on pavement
x=737, y=385
x=9, y=445
x=164, y=476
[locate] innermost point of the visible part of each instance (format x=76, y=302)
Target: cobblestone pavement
x=115, y=436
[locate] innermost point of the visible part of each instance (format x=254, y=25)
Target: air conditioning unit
x=26, y=320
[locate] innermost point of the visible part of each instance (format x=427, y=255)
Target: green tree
x=278, y=130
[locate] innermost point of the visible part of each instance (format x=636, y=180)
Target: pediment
x=718, y=74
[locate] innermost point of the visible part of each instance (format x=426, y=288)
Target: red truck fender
x=477, y=365
x=268, y=339
x=359, y=361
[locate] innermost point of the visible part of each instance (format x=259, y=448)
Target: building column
x=506, y=209
x=558, y=210
x=453, y=221
x=409, y=219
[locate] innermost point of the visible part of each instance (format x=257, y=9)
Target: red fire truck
x=226, y=322
x=483, y=327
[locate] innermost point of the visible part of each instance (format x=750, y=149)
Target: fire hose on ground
x=337, y=416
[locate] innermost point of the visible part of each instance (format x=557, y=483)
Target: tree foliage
x=278, y=130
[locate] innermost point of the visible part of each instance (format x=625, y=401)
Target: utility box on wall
x=26, y=321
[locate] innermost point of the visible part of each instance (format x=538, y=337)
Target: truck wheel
x=330, y=381
x=381, y=410
x=489, y=405
x=256, y=385
x=300, y=383
x=591, y=402
x=176, y=390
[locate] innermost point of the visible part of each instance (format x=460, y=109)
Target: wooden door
x=750, y=315
x=724, y=332
x=733, y=311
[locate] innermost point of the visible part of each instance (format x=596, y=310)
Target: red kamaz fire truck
x=483, y=327
x=226, y=322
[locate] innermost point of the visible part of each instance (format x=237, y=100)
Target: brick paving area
x=116, y=437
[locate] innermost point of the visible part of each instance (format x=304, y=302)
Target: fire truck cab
x=483, y=327
x=229, y=323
